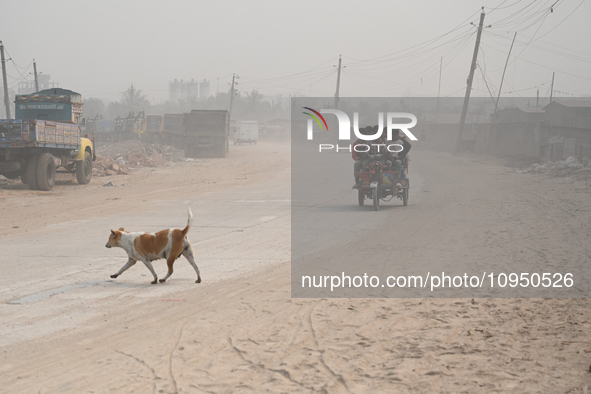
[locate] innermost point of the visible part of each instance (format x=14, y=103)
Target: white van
x=247, y=131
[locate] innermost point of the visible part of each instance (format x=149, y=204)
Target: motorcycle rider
x=362, y=159
x=398, y=157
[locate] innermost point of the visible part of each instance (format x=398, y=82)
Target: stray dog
x=146, y=247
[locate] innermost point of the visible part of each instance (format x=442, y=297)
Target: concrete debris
x=118, y=158
x=570, y=167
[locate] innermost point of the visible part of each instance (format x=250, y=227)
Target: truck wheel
x=84, y=169
x=45, y=172
x=32, y=172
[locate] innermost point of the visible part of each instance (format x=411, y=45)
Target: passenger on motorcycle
x=363, y=159
x=399, y=157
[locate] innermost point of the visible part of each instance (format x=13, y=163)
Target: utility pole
x=36, y=79
x=492, y=123
x=131, y=99
x=538, y=98
x=505, y=69
x=336, y=95
x=5, y=82
x=438, y=90
x=234, y=76
x=551, y=86
x=469, y=85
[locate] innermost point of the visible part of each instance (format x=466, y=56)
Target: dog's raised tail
x=189, y=223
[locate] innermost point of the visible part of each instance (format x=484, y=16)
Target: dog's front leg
x=129, y=263
x=149, y=265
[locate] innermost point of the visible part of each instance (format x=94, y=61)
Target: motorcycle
x=377, y=184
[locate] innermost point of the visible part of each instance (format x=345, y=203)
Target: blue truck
x=44, y=138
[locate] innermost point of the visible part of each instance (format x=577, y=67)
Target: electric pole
x=36, y=80
x=336, y=95
x=551, y=86
x=469, y=86
x=505, y=69
x=131, y=99
x=438, y=89
x=492, y=123
x=5, y=82
x=234, y=76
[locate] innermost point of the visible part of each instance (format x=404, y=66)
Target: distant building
x=519, y=114
x=568, y=128
x=28, y=87
x=204, y=89
x=182, y=90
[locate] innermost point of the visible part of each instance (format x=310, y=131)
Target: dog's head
x=114, y=238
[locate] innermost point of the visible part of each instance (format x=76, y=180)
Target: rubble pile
x=570, y=167
x=118, y=158
x=104, y=166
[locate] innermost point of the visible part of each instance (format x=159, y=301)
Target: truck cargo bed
x=17, y=133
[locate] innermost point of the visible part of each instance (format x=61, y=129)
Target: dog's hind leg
x=188, y=253
x=149, y=265
x=169, y=263
x=129, y=263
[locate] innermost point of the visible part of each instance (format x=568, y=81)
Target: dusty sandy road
x=66, y=327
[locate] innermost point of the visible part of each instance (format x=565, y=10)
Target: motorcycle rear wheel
x=361, y=197
x=376, y=199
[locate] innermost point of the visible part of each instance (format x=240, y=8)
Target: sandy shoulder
x=246, y=334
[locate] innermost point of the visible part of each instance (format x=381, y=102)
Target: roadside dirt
x=24, y=210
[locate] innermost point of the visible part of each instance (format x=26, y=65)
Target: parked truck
x=129, y=127
x=45, y=136
x=152, y=129
x=199, y=133
x=247, y=132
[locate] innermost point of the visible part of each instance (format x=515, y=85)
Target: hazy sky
x=389, y=48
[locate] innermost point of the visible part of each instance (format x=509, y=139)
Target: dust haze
x=470, y=275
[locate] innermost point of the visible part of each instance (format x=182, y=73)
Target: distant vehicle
x=44, y=136
x=130, y=127
x=376, y=184
x=247, y=132
x=199, y=133
x=152, y=130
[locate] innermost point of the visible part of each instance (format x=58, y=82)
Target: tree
x=255, y=106
x=92, y=107
x=116, y=109
x=135, y=100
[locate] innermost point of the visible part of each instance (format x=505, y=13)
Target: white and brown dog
x=166, y=244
